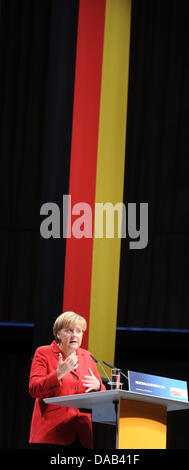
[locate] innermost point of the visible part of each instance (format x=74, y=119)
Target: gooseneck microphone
x=97, y=362
x=109, y=365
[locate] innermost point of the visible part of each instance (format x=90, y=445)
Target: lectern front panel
x=141, y=425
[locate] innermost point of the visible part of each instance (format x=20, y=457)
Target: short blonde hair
x=65, y=320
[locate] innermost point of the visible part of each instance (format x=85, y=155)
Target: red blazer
x=53, y=424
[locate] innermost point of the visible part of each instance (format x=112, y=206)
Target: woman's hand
x=91, y=382
x=64, y=367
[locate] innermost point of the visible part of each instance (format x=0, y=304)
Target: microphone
x=114, y=367
x=109, y=365
x=97, y=362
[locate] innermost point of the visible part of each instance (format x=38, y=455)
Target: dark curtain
x=153, y=289
x=16, y=406
x=24, y=49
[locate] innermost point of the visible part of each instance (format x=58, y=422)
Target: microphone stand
x=97, y=362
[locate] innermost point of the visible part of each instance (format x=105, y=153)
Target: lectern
x=141, y=420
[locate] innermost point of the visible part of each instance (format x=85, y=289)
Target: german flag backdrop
x=84, y=157
x=97, y=163
x=68, y=128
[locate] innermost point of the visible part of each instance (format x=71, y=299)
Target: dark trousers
x=74, y=445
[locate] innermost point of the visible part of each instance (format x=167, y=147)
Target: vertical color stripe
x=77, y=282
x=110, y=175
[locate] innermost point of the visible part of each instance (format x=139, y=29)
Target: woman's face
x=70, y=338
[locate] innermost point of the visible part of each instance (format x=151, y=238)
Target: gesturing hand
x=66, y=366
x=91, y=382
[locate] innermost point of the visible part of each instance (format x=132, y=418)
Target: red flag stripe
x=82, y=184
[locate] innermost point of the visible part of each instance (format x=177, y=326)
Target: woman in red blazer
x=62, y=368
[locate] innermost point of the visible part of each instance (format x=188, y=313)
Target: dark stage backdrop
x=24, y=50
x=37, y=39
x=153, y=288
x=36, y=93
